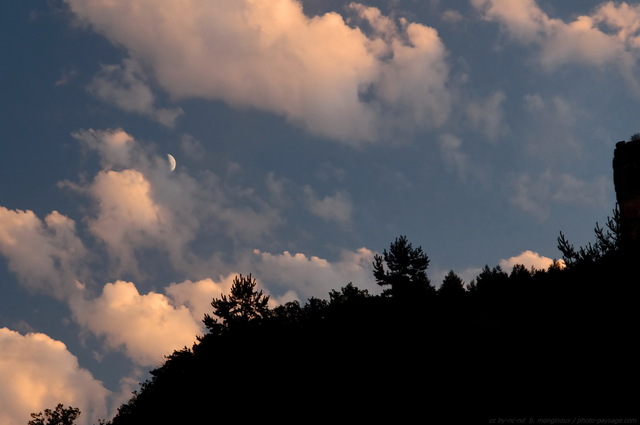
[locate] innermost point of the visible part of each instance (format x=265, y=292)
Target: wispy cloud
x=336, y=207
x=536, y=194
x=125, y=87
x=487, y=115
x=453, y=155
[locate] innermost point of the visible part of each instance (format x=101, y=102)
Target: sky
x=307, y=134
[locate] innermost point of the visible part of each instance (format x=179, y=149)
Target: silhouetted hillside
x=535, y=343
x=510, y=344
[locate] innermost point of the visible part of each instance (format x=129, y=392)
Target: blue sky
x=308, y=135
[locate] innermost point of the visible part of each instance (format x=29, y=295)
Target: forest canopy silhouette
x=520, y=342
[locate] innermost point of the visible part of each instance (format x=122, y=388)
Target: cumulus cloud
x=37, y=373
x=529, y=259
x=197, y=295
x=124, y=86
x=145, y=326
x=129, y=218
x=328, y=75
x=137, y=208
x=138, y=205
x=47, y=254
x=536, y=194
x=311, y=276
x=609, y=36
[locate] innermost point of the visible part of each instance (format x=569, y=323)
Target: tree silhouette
x=407, y=270
x=348, y=294
x=608, y=241
x=490, y=281
x=243, y=305
x=60, y=416
x=452, y=285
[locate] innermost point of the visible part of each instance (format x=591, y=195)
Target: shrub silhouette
x=59, y=416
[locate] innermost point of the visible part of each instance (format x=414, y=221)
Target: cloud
x=37, y=373
x=337, y=207
x=116, y=147
x=453, y=156
x=65, y=78
x=197, y=296
x=139, y=206
x=536, y=194
x=128, y=218
x=609, y=36
x=124, y=86
x=45, y=255
x=524, y=20
x=145, y=326
x=311, y=276
x=529, y=259
x=623, y=19
x=458, y=161
x=452, y=16
x=487, y=115
x=348, y=80
x=554, y=126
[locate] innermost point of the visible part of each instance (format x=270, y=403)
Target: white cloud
x=524, y=20
x=609, y=36
x=139, y=205
x=145, y=326
x=197, y=296
x=128, y=218
x=337, y=207
x=311, y=276
x=529, y=259
x=536, y=194
x=319, y=72
x=623, y=18
x=45, y=255
x=124, y=86
x=38, y=372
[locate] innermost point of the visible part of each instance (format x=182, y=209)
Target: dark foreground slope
x=558, y=343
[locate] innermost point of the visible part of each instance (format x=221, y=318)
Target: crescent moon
x=172, y=162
